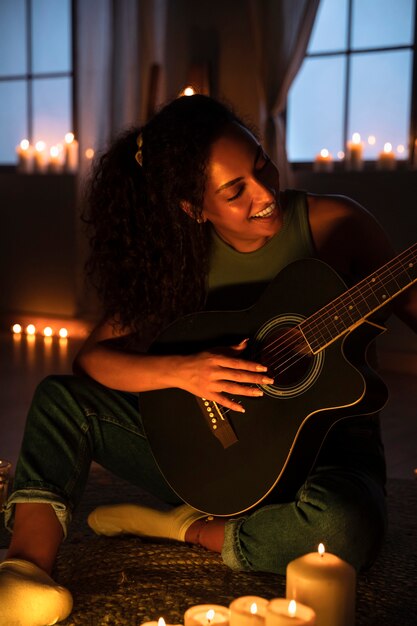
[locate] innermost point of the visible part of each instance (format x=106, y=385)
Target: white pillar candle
x=354, y=153
x=26, y=157
x=206, y=615
x=41, y=157
x=327, y=584
x=71, y=153
x=323, y=161
x=248, y=611
x=282, y=612
x=386, y=158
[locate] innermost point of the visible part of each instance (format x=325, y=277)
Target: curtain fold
x=281, y=32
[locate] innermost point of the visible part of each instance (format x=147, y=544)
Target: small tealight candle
x=354, y=153
x=206, y=615
x=323, y=161
x=282, y=612
x=327, y=584
x=248, y=611
x=26, y=157
x=386, y=158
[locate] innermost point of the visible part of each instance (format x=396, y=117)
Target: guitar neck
x=354, y=306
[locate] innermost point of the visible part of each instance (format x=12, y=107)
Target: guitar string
x=327, y=309
x=368, y=283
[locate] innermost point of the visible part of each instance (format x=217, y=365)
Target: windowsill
x=340, y=166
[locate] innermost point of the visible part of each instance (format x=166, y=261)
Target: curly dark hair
x=149, y=260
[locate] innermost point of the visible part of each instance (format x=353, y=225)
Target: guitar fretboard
x=355, y=305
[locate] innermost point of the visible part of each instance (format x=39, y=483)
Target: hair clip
x=138, y=155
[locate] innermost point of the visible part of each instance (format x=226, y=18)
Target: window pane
x=330, y=27
x=12, y=37
x=51, y=109
x=13, y=126
x=380, y=98
x=51, y=21
x=377, y=23
x=315, y=108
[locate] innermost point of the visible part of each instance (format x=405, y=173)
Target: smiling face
x=241, y=196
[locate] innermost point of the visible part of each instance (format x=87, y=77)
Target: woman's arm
x=208, y=374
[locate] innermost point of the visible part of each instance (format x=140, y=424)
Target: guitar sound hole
x=280, y=345
x=286, y=355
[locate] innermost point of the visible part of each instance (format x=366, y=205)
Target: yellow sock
x=143, y=521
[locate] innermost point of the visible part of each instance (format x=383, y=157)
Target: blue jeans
x=73, y=421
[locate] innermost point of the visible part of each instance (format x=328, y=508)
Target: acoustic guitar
x=312, y=334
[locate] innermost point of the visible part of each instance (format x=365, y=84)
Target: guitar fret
x=355, y=305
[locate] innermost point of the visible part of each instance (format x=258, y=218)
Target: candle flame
x=210, y=615
x=89, y=153
x=321, y=549
x=387, y=147
x=340, y=155
x=372, y=140
x=24, y=144
x=356, y=138
x=40, y=146
x=54, y=151
x=30, y=329
x=292, y=608
x=324, y=153
x=400, y=149
x=161, y=621
x=47, y=331
x=188, y=91
x=16, y=329
x=69, y=138
x=253, y=608
x=63, y=333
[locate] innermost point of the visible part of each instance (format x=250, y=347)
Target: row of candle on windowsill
x=320, y=590
x=353, y=158
x=39, y=159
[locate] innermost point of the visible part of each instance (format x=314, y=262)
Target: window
x=357, y=77
x=36, y=100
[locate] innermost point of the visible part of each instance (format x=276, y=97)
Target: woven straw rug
x=125, y=580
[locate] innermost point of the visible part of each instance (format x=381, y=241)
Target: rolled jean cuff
x=232, y=554
x=60, y=507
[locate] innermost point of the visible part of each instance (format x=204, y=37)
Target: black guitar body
x=226, y=466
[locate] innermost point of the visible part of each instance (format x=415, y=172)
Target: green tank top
x=236, y=279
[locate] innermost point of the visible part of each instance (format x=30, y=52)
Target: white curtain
x=119, y=42
x=282, y=29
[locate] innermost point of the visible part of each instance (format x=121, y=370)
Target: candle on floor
x=327, y=584
x=386, y=158
x=206, y=615
x=248, y=611
x=283, y=612
x=354, y=153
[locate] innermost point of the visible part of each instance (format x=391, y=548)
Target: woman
x=182, y=212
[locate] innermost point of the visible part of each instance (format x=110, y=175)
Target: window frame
x=29, y=76
x=347, y=53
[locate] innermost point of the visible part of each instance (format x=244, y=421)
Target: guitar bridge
x=218, y=423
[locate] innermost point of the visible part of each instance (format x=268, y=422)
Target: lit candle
x=160, y=622
x=71, y=153
x=26, y=157
x=206, y=615
x=41, y=157
x=281, y=612
x=326, y=583
x=248, y=611
x=354, y=153
x=323, y=161
x=386, y=158
x=55, y=160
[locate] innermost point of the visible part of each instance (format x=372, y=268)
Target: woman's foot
x=143, y=521
x=29, y=597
